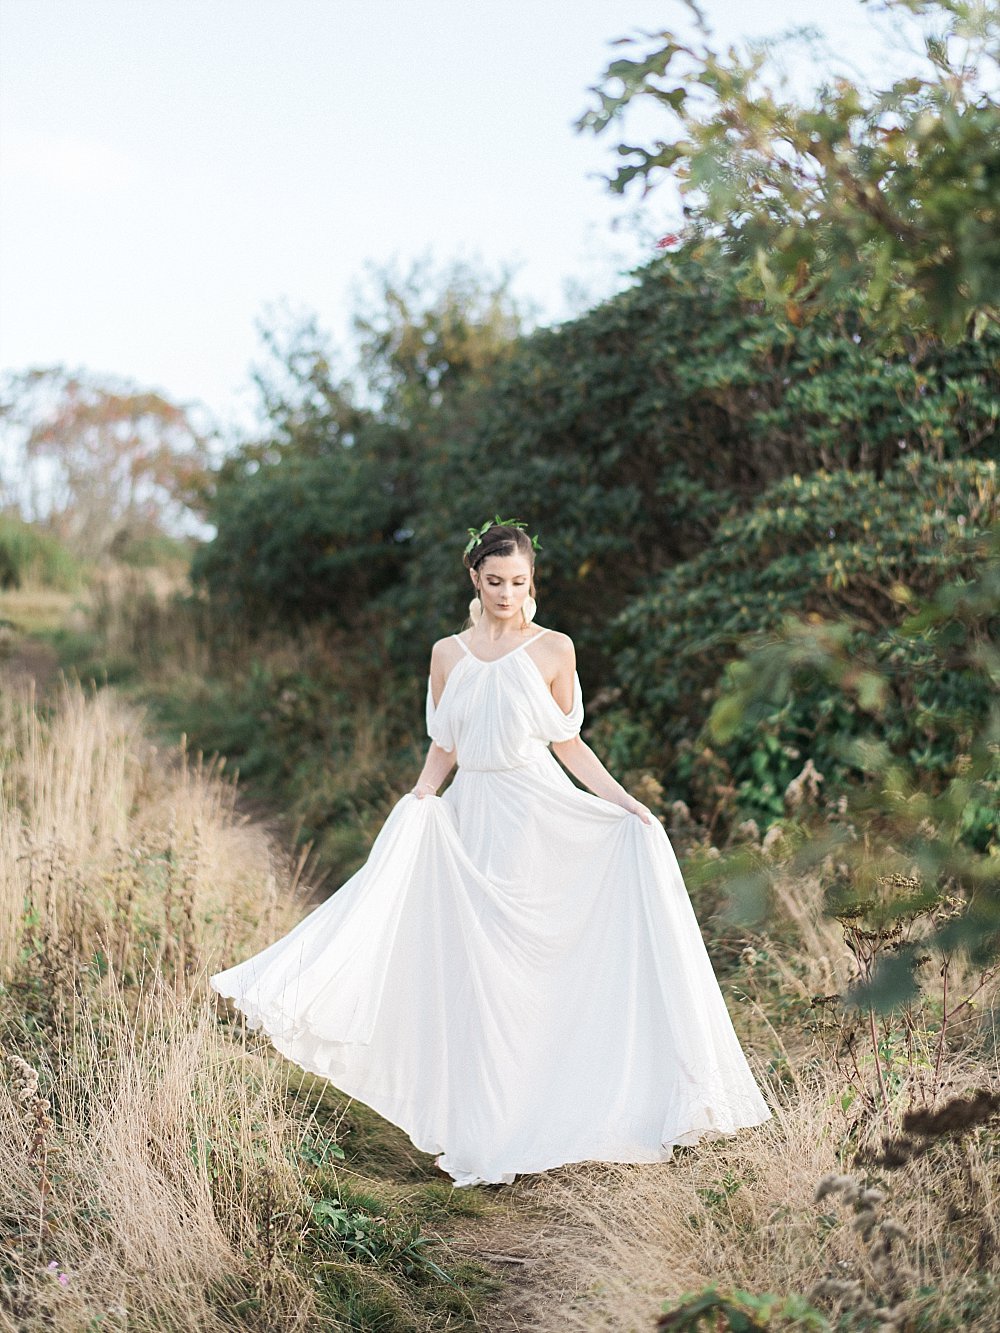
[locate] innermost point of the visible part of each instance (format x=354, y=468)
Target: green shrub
x=29, y=555
x=146, y=550
x=825, y=546
x=300, y=540
x=624, y=438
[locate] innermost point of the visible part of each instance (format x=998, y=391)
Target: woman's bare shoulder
x=444, y=651
x=560, y=645
x=555, y=654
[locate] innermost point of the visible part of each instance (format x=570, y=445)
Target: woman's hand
x=635, y=807
x=435, y=769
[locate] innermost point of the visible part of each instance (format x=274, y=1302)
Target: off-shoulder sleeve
x=560, y=726
x=438, y=727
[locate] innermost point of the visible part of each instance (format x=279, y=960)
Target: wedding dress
x=516, y=976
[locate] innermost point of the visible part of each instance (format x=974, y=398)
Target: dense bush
x=302, y=539
x=30, y=555
x=623, y=438
x=839, y=544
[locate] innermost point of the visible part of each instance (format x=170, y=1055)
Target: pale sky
x=173, y=170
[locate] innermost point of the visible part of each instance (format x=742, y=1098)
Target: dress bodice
x=500, y=714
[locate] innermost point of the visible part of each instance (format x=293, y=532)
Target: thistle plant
x=893, y=1279
x=37, y=1124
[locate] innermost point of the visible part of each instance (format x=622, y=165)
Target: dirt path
x=521, y=1243
x=26, y=660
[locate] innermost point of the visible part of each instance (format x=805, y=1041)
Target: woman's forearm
x=577, y=756
x=437, y=765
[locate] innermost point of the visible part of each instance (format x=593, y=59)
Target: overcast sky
x=171, y=171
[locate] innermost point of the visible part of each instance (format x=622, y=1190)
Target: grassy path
x=25, y=658
x=205, y=1179
x=499, y=1239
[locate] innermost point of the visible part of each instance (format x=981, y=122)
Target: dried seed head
x=771, y=838
x=831, y=1183
x=852, y=1191
x=891, y=1229
x=868, y=1198
x=804, y=788
x=838, y=1287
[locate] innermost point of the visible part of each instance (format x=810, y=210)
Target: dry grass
x=148, y=617
x=158, y=1118
x=36, y=608
x=159, y=1168
x=156, y=1172
x=742, y=1214
x=106, y=845
x=300, y=713
x=123, y=880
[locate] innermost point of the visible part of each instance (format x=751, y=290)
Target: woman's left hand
x=635, y=807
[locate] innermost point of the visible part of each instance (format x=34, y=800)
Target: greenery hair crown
x=476, y=534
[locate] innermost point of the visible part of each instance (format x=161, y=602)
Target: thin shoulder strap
x=463, y=643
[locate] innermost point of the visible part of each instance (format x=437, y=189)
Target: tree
x=895, y=191
x=895, y=194
x=423, y=333
x=316, y=516
x=99, y=461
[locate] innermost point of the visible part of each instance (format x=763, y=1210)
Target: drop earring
x=475, y=610
x=528, y=608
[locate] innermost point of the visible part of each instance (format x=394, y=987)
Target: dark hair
x=500, y=540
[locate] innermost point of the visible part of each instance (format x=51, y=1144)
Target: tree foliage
x=422, y=333
x=302, y=540
x=938, y=822
x=29, y=555
x=839, y=549
x=893, y=191
x=625, y=436
x=98, y=461
x=315, y=516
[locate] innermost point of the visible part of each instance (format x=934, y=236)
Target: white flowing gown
x=516, y=976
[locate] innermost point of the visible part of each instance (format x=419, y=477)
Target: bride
x=516, y=976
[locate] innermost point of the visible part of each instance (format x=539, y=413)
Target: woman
x=516, y=976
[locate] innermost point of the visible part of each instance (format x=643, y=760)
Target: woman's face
x=503, y=582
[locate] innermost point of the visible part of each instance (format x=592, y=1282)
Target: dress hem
x=387, y=1106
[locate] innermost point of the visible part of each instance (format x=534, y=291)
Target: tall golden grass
x=124, y=877
x=155, y=1170
x=111, y=846
x=804, y=1214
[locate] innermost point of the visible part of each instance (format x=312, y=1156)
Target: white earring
x=528, y=608
x=475, y=610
